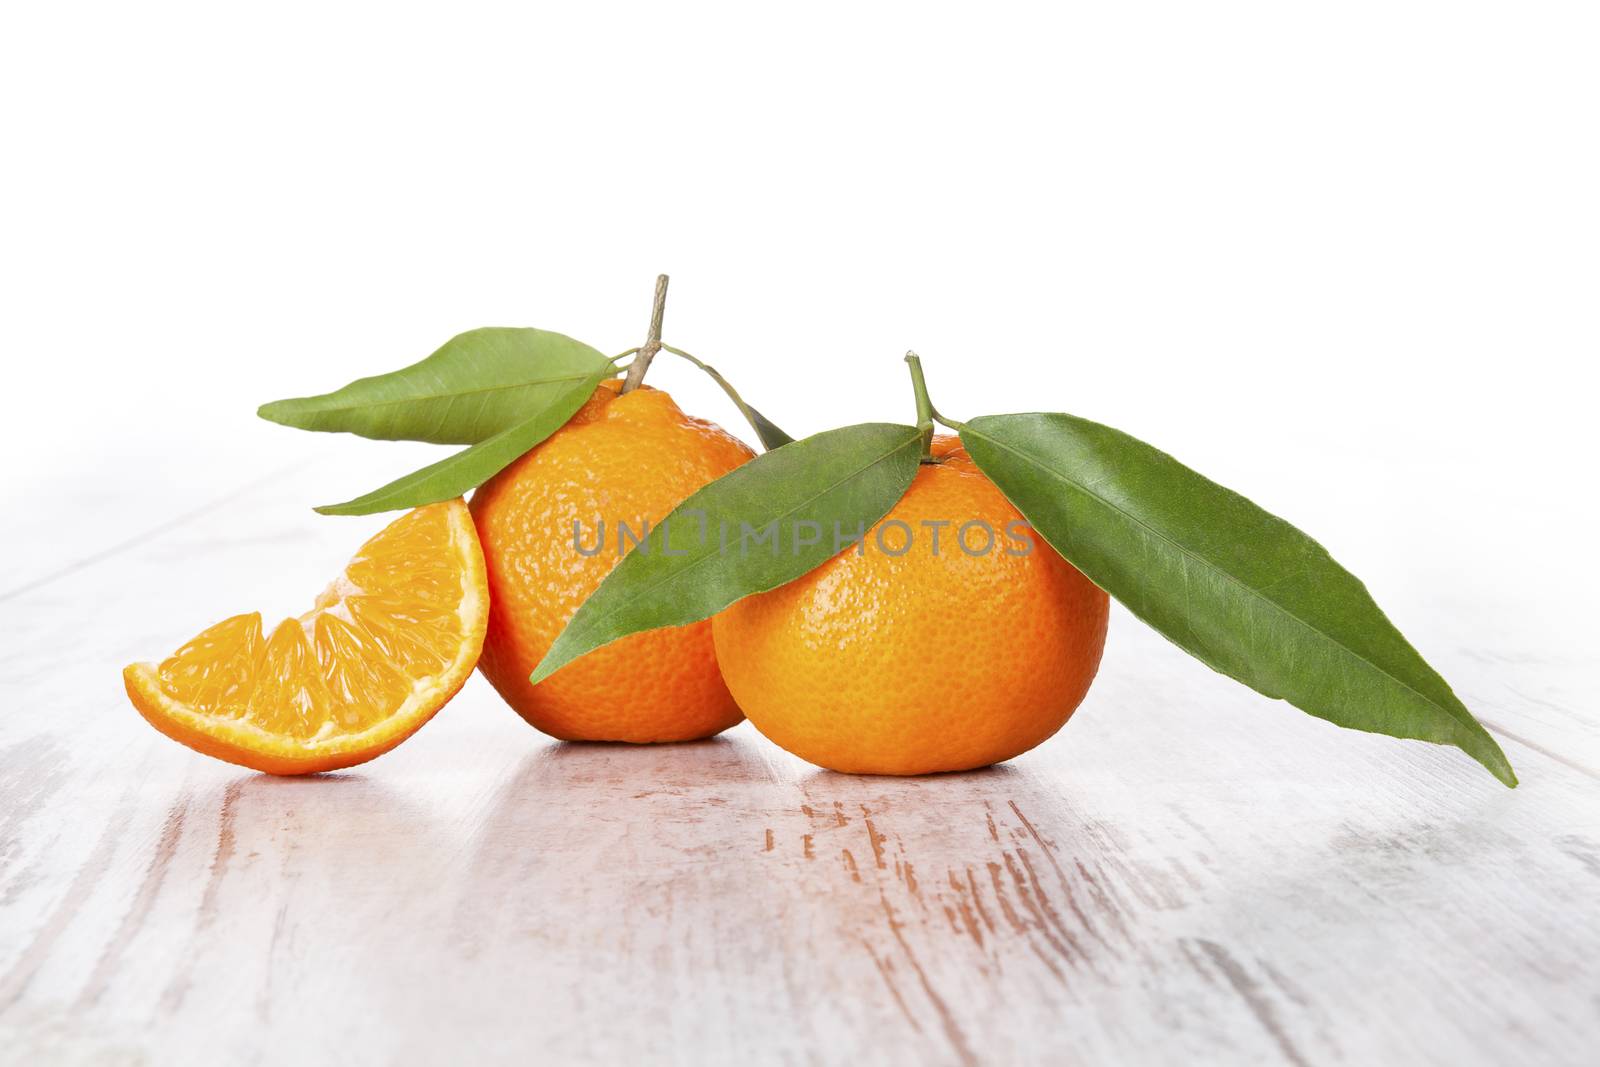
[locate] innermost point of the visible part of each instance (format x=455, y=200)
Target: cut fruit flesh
x=385, y=646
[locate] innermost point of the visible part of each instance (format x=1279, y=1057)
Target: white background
x=1342, y=257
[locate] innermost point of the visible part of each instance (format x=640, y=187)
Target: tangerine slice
x=386, y=645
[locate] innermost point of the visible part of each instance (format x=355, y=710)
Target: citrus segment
x=383, y=648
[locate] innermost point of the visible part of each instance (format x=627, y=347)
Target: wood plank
x=1188, y=872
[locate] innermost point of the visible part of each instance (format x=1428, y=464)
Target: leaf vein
x=706, y=555
x=1279, y=608
x=450, y=396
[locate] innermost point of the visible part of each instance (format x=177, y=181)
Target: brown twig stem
x=652, y=344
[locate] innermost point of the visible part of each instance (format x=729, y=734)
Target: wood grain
x=1189, y=873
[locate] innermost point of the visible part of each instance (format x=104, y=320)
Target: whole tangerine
x=922, y=649
x=550, y=525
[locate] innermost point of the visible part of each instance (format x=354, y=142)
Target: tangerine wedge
x=386, y=645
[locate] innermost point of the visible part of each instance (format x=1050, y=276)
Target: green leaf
x=470, y=468
x=1234, y=586
x=480, y=383
x=771, y=436
x=714, y=547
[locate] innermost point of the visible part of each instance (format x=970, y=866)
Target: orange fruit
x=621, y=459
x=901, y=658
x=385, y=646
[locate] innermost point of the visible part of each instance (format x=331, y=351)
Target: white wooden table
x=1188, y=873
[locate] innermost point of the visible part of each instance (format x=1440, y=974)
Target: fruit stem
x=919, y=388
x=652, y=343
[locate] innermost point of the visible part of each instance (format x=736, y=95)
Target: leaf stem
x=925, y=413
x=652, y=343
x=745, y=409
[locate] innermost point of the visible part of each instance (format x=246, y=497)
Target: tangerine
x=918, y=652
x=550, y=524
